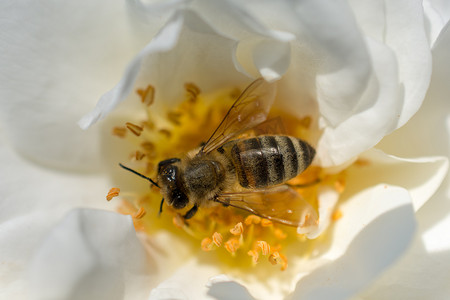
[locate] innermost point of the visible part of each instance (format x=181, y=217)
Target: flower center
x=233, y=234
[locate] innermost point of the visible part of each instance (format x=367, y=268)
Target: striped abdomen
x=269, y=160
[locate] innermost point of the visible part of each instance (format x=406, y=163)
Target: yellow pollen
x=252, y=219
x=181, y=128
x=178, y=221
x=207, y=244
x=147, y=95
x=232, y=245
x=140, y=213
x=114, y=192
x=217, y=239
x=264, y=246
x=255, y=256
x=276, y=258
x=336, y=215
x=280, y=234
x=135, y=129
x=238, y=229
x=266, y=223
x=339, y=185
x=119, y=132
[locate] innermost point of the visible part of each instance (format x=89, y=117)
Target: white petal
x=164, y=41
x=376, y=114
x=400, y=25
x=376, y=228
x=54, y=66
x=89, y=254
x=420, y=176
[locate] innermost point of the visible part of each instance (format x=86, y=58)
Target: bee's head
x=171, y=182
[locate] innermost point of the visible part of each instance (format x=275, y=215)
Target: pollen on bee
x=140, y=213
x=264, y=246
x=217, y=239
x=135, y=129
x=147, y=95
x=238, y=229
x=113, y=192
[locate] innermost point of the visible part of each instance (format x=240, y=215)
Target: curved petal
x=385, y=221
x=54, y=64
x=89, y=254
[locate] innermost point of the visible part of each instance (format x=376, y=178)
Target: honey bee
x=247, y=173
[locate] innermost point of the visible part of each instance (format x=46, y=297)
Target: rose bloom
x=372, y=77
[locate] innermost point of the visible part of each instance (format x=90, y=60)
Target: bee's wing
x=280, y=204
x=250, y=109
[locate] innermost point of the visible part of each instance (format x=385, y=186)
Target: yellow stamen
x=135, y=129
x=238, y=229
x=266, y=223
x=140, y=213
x=114, y=192
x=217, y=239
x=264, y=246
x=255, y=256
x=252, y=219
x=147, y=95
x=280, y=234
x=336, y=215
x=276, y=258
x=192, y=91
x=232, y=245
x=207, y=244
x=119, y=131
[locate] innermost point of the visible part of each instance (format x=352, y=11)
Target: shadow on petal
x=374, y=249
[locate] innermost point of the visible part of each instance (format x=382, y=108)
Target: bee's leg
x=191, y=212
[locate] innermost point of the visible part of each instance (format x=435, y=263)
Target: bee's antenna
x=139, y=174
x=160, y=206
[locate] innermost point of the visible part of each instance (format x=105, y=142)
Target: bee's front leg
x=191, y=212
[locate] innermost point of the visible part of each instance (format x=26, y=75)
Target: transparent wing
x=250, y=109
x=280, y=204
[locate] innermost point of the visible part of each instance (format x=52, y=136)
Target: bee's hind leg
x=190, y=213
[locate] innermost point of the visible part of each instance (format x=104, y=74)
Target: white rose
x=362, y=70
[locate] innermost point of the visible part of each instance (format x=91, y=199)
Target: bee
x=246, y=173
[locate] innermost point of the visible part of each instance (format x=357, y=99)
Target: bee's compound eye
x=179, y=199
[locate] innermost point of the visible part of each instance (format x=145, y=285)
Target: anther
x=238, y=229
x=264, y=246
x=255, y=256
x=147, y=95
x=336, y=215
x=140, y=213
x=232, y=245
x=114, y=192
x=252, y=219
x=119, y=132
x=217, y=239
x=135, y=129
x=266, y=223
x=207, y=244
x=192, y=91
